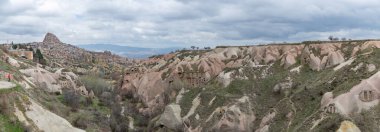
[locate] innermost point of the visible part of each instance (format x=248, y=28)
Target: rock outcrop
x=171, y=117
x=361, y=97
x=46, y=120
x=237, y=117
x=51, y=39
x=53, y=82
x=155, y=81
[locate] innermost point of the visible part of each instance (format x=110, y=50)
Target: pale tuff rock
x=370, y=44
x=326, y=98
x=211, y=101
x=150, y=84
x=288, y=60
x=13, y=62
x=346, y=63
x=171, y=117
x=263, y=129
x=287, y=84
x=46, y=120
x=371, y=67
x=335, y=58
x=43, y=78
x=179, y=96
x=266, y=119
x=196, y=102
x=296, y=69
x=357, y=66
x=235, y=117
x=264, y=124
x=6, y=85
x=315, y=62
x=225, y=78
x=53, y=82
x=348, y=126
x=20, y=116
x=197, y=116
x=361, y=97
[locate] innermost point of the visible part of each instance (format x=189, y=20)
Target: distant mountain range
x=128, y=51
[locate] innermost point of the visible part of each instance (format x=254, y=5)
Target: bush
x=118, y=123
x=95, y=84
x=72, y=99
x=81, y=122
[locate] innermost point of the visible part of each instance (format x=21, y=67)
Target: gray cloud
x=165, y=23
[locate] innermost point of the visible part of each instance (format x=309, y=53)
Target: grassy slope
x=306, y=95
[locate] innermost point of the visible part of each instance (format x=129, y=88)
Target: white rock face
x=52, y=81
x=315, y=62
x=361, y=97
x=235, y=117
x=171, y=118
x=6, y=85
x=346, y=63
x=225, y=78
x=43, y=77
x=371, y=67
x=13, y=62
x=195, y=103
x=335, y=58
x=296, y=69
x=48, y=121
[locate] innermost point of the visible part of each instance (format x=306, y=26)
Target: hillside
x=309, y=86
x=59, y=87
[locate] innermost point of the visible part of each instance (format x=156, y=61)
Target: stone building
x=22, y=53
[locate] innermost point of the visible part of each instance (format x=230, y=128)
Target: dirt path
x=6, y=85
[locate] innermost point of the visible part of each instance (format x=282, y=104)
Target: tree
x=14, y=46
x=40, y=57
x=331, y=38
x=343, y=39
x=192, y=47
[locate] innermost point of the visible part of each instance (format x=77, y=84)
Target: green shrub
x=72, y=99
x=95, y=84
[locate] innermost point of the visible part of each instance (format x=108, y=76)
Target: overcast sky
x=182, y=23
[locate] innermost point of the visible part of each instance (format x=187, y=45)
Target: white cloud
x=156, y=23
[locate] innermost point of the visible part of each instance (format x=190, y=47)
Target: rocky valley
x=307, y=86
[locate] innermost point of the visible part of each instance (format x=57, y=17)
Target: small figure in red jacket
x=9, y=77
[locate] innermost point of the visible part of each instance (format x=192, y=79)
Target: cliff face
x=260, y=88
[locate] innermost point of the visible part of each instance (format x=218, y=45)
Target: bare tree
x=72, y=99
